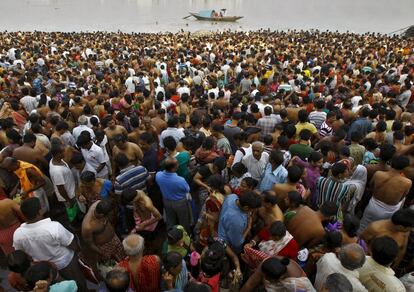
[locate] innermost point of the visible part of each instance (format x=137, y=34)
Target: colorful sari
x=212, y=205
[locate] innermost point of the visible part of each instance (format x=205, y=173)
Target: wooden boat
x=206, y=15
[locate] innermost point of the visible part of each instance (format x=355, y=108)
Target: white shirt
x=177, y=134
x=378, y=278
x=254, y=166
x=95, y=157
x=130, y=83
x=329, y=264
x=238, y=156
x=182, y=90
x=29, y=103
x=45, y=240
x=215, y=91
x=79, y=129
x=62, y=175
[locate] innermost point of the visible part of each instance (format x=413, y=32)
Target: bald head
x=170, y=164
x=352, y=256
x=133, y=245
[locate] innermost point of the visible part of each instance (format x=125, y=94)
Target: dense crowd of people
x=230, y=161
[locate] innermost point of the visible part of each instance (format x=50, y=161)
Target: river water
x=359, y=16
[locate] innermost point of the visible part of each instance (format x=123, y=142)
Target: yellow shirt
x=307, y=126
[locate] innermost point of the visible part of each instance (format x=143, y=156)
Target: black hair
x=216, y=182
x=315, y=156
x=77, y=158
x=239, y=168
x=295, y=198
x=29, y=138
x=104, y=207
x=250, y=199
x=87, y=176
x=172, y=260
x=268, y=110
x=127, y=196
x=384, y=250
x=338, y=168
x=381, y=126
x=332, y=239
x=268, y=139
x=283, y=141
x=351, y=225
x=18, y=261
x=121, y=160
x=277, y=157
x=250, y=182
x=294, y=173
x=278, y=229
x=38, y=271
x=303, y=116
x=170, y=143
x=274, y=268
x=212, y=261
x=370, y=144
x=172, y=122
x=13, y=136
x=147, y=138
x=30, y=208
x=387, y=151
x=269, y=197
x=356, y=136
x=195, y=286
x=328, y=209
x=400, y=162
x=220, y=162
x=290, y=131
x=403, y=217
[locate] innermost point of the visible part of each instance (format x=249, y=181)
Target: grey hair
x=337, y=282
x=133, y=245
x=82, y=120
x=258, y=143
x=352, y=256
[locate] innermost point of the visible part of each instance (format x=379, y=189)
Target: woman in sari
x=209, y=219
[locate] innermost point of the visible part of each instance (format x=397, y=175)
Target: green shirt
x=301, y=150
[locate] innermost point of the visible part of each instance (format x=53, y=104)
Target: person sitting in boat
x=223, y=12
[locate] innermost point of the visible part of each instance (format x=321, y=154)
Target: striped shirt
x=331, y=190
x=317, y=118
x=325, y=130
x=132, y=177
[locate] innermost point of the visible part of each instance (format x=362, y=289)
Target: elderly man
x=350, y=258
x=83, y=122
x=256, y=162
x=144, y=271
x=336, y=282
x=376, y=274
x=175, y=192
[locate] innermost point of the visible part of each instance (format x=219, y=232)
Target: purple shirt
x=312, y=175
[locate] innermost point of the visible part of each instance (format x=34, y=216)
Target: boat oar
x=187, y=16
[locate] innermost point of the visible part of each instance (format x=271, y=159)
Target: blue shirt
x=277, y=176
x=232, y=223
x=172, y=186
x=362, y=125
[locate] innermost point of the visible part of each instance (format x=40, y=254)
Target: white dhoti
x=377, y=210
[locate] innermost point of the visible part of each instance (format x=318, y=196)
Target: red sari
x=148, y=275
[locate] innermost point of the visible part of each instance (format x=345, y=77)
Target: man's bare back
x=390, y=187
x=306, y=227
x=282, y=191
x=9, y=213
x=270, y=215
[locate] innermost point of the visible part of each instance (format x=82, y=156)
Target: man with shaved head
x=144, y=271
x=175, y=192
x=351, y=257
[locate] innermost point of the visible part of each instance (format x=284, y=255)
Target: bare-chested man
x=159, y=121
x=282, y=190
x=113, y=129
x=132, y=151
x=389, y=189
x=10, y=219
x=270, y=212
x=398, y=228
x=28, y=153
x=307, y=225
x=99, y=234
